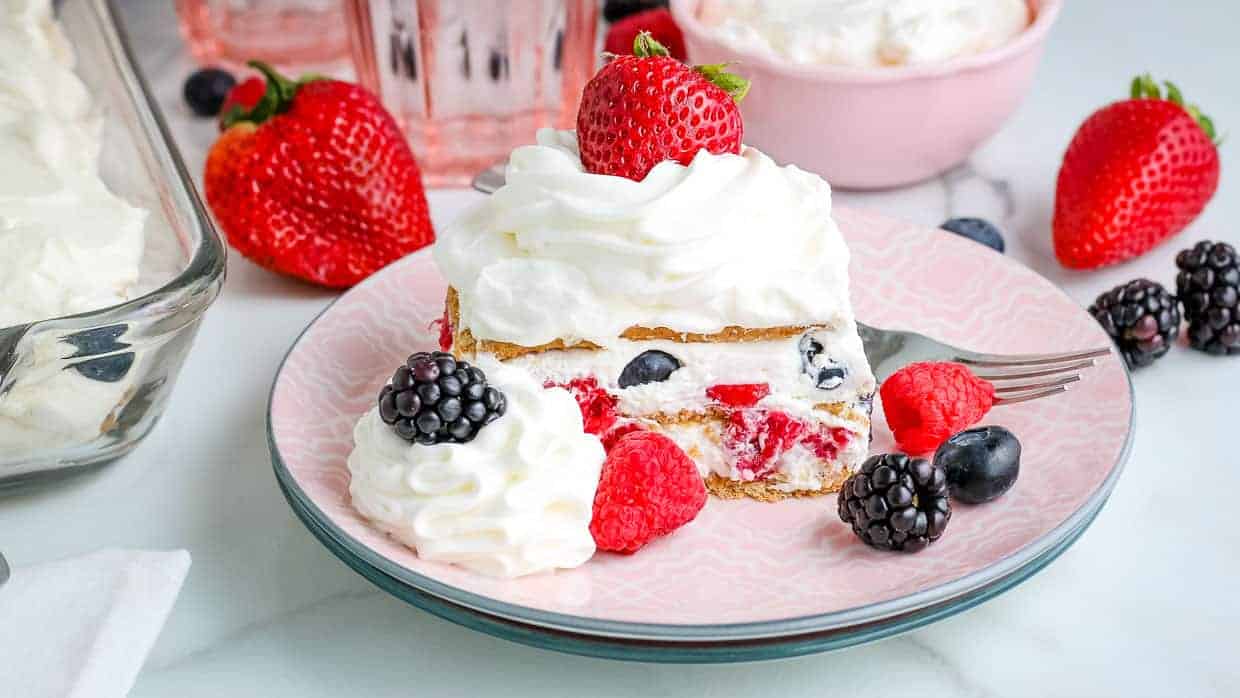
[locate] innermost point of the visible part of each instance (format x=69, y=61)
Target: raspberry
x=622, y=428
x=648, y=488
x=738, y=395
x=927, y=402
x=598, y=407
x=757, y=438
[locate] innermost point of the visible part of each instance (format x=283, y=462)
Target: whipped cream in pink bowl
x=872, y=93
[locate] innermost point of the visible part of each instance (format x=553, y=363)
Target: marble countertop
x=1143, y=604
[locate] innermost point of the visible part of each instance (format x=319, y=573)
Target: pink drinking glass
x=469, y=80
x=290, y=34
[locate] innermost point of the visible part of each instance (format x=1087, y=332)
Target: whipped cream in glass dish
x=516, y=500
x=107, y=260
x=67, y=243
x=865, y=33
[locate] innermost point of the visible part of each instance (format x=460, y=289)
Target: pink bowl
x=869, y=128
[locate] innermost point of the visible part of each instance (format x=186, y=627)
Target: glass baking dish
x=84, y=389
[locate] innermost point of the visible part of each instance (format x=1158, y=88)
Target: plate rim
x=636, y=650
x=749, y=630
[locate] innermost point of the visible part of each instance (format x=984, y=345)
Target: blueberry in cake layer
x=707, y=301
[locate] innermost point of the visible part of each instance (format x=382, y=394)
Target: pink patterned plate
x=743, y=570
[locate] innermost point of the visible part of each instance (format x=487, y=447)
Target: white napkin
x=82, y=627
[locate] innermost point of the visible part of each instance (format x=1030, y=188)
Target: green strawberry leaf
x=1144, y=87
x=717, y=73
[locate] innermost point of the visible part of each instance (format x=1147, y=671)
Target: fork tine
x=996, y=360
x=1037, y=386
x=1040, y=373
x=1026, y=397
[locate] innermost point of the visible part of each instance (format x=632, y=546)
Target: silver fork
x=1017, y=377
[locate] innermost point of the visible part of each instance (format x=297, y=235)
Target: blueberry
x=981, y=463
x=97, y=340
x=977, y=230
x=651, y=366
x=108, y=369
x=824, y=371
x=206, y=89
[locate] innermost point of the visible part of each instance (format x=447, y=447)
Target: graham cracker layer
x=465, y=344
x=766, y=490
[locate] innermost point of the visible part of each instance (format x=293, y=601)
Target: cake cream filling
x=781, y=364
x=796, y=469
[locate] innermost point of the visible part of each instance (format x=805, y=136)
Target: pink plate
x=744, y=569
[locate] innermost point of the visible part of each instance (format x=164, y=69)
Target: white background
x=1144, y=604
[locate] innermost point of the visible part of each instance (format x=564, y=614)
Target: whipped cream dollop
x=67, y=244
x=514, y=501
x=866, y=33
x=727, y=240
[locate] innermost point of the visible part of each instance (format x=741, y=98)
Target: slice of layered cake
x=707, y=301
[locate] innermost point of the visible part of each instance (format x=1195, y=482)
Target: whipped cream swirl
x=514, y=501
x=67, y=244
x=560, y=253
x=866, y=33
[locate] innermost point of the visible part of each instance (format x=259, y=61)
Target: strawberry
x=640, y=110
x=658, y=22
x=317, y=181
x=242, y=97
x=1136, y=173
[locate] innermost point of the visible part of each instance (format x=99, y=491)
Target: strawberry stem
x=1144, y=87
x=645, y=46
x=276, y=100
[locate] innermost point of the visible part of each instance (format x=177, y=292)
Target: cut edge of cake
x=767, y=489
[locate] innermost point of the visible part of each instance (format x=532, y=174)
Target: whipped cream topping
x=866, y=33
x=728, y=240
x=67, y=244
x=514, y=501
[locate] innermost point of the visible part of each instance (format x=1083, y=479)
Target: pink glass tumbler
x=469, y=80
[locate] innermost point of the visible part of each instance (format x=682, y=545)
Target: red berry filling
x=444, y=326
x=738, y=395
x=757, y=438
x=598, y=407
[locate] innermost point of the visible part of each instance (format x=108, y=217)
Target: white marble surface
x=1144, y=604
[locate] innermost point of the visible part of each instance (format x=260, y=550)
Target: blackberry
x=896, y=503
x=433, y=398
x=1209, y=287
x=1141, y=317
x=206, y=89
